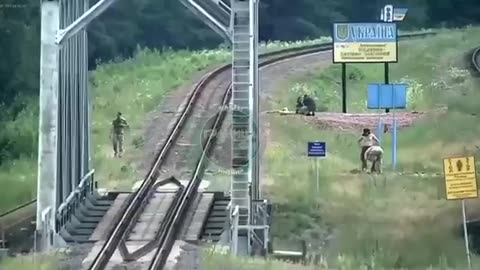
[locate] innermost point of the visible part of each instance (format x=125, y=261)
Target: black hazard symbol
x=459, y=165
x=450, y=168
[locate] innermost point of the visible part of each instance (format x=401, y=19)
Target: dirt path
x=357, y=121
x=271, y=80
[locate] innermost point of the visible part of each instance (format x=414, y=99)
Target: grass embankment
x=221, y=261
x=40, y=262
x=391, y=221
x=134, y=87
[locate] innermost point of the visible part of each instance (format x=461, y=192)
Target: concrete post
x=47, y=147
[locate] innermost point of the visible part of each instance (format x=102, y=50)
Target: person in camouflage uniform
x=118, y=127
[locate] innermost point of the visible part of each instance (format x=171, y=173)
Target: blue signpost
x=389, y=13
x=317, y=150
x=388, y=96
x=399, y=14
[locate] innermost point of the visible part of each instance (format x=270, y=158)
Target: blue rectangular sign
x=387, y=96
x=317, y=149
x=399, y=14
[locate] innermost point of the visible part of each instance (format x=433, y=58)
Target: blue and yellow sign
x=365, y=43
x=399, y=14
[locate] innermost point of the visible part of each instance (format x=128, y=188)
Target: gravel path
x=274, y=78
x=356, y=122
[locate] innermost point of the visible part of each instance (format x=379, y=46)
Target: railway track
x=212, y=93
x=475, y=60
x=169, y=227
x=205, y=100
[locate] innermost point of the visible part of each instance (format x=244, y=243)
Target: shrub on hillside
x=415, y=92
x=19, y=135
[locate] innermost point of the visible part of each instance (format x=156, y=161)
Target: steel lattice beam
x=208, y=19
x=65, y=178
x=83, y=20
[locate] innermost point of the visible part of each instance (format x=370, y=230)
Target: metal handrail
x=66, y=210
x=71, y=197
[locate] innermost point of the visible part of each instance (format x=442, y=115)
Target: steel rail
x=173, y=225
x=188, y=196
x=134, y=204
x=135, y=201
x=476, y=59
x=403, y=36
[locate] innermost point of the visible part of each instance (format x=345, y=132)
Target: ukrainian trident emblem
x=342, y=32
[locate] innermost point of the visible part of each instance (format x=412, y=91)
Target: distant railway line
x=475, y=60
x=166, y=234
x=205, y=92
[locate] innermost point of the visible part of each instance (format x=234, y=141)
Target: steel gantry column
x=65, y=174
x=256, y=193
x=48, y=123
x=248, y=216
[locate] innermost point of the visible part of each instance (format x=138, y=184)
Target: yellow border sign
x=460, y=178
x=365, y=42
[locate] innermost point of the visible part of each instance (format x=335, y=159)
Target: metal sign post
x=388, y=96
x=465, y=236
x=461, y=184
x=394, y=132
x=317, y=150
x=387, y=17
x=389, y=13
x=347, y=46
x=380, y=121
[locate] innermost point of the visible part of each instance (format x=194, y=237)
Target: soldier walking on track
x=116, y=135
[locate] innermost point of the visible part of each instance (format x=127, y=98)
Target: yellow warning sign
x=460, y=178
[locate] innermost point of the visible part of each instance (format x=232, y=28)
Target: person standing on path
x=116, y=135
x=366, y=141
x=299, y=104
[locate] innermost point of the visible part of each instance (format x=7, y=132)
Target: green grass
x=39, y=262
x=134, y=86
x=404, y=220
x=215, y=260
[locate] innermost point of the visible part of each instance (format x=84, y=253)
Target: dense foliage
x=162, y=23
